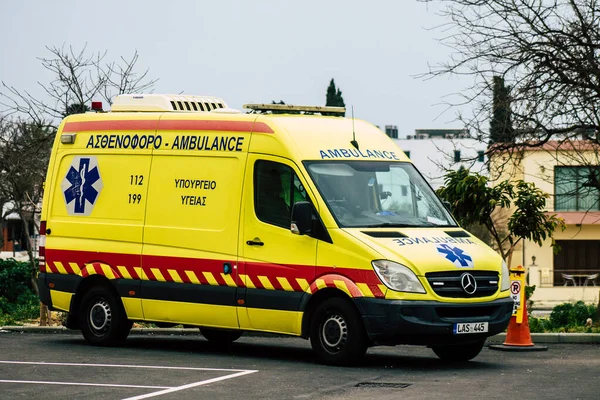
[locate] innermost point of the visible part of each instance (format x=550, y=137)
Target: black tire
x=102, y=318
x=459, y=352
x=337, y=333
x=220, y=337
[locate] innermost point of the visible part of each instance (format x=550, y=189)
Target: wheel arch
x=84, y=286
x=317, y=298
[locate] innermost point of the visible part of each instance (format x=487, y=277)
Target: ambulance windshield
x=378, y=194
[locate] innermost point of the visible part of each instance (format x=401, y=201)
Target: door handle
x=255, y=242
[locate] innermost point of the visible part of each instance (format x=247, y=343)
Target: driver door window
x=276, y=189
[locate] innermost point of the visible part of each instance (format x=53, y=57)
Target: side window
x=276, y=189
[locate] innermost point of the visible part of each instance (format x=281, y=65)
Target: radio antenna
x=353, y=142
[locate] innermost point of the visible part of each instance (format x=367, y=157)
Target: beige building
x=566, y=171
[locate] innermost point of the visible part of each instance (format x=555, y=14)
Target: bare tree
x=79, y=78
x=26, y=139
x=23, y=147
x=548, y=51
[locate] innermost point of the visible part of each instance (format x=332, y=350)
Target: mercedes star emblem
x=468, y=282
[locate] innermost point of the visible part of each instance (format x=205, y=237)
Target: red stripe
x=132, y=272
x=238, y=279
x=86, y=257
x=205, y=125
x=355, y=275
x=163, y=264
x=149, y=274
x=288, y=271
x=172, y=125
x=262, y=128
x=117, y=125
x=51, y=267
x=253, y=269
x=213, y=125
x=295, y=285
x=68, y=268
x=98, y=268
x=376, y=291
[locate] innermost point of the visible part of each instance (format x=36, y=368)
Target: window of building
x=480, y=155
x=407, y=152
x=456, y=155
x=576, y=261
x=576, y=188
x=391, y=131
x=276, y=189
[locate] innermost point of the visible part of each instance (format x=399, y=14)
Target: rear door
x=192, y=222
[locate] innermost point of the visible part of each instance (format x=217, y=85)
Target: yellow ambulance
x=286, y=219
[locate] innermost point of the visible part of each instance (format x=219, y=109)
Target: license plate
x=470, y=327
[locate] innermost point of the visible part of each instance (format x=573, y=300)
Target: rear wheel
x=337, y=334
x=220, y=337
x=459, y=352
x=102, y=317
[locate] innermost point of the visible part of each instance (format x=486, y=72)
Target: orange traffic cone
x=518, y=337
x=518, y=334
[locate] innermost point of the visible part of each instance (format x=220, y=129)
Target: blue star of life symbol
x=455, y=255
x=82, y=184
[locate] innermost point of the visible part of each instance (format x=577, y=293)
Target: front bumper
x=430, y=322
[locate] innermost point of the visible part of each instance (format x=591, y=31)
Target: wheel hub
x=334, y=332
x=100, y=315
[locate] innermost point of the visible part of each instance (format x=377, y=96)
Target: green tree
x=334, y=96
x=76, y=108
x=501, y=129
x=474, y=201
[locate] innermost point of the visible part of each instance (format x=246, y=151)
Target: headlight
x=505, y=283
x=397, y=277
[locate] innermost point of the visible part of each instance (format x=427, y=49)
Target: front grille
x=466, y=312
x=448, y=283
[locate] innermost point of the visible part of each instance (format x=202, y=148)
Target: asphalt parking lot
x=59, y=366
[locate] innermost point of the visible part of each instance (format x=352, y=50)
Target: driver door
x=275, y=265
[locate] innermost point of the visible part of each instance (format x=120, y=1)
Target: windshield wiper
x=392, y=225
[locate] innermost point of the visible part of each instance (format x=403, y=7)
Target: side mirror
x=301, y=218
x=448, y=206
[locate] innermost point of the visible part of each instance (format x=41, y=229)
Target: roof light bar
x=293, y=109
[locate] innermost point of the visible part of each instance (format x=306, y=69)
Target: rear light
x=42, y=247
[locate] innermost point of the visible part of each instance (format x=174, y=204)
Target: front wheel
x=337, y=334
x=102, y=318
x=459, y=352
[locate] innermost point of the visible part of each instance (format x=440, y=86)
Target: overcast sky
x=251, y=51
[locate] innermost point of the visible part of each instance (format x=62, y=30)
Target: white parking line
x=87, y=384
x=166, y=389
x=191, y=385
x=119, y=366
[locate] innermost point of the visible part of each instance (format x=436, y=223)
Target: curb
x=554, y=338
x=134, y=331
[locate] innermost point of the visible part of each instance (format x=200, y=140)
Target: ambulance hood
x=430, y=249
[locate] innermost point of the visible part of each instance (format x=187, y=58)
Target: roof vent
x=166, y=102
